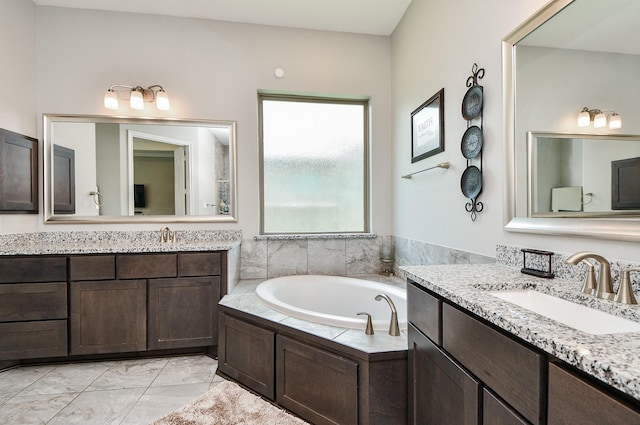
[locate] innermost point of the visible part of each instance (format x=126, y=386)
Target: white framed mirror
x=570, y=54
x=118, y=169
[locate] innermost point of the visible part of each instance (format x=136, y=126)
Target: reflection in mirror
x=130, y=169
x=581, y=175
x=569, y=55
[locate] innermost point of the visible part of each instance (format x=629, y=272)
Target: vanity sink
x=574, y=315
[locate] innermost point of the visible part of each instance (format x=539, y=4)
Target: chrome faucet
x=166, y=235
x=604, y=288
x=394, y=329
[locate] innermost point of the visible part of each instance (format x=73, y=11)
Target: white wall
x=435, y=46
x=18, y=91
x=211, y=70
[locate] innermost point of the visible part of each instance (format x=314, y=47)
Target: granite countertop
x=105, y=242
x=243, y=298
x=611, y=358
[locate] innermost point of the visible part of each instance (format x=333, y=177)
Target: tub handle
x=369, y=329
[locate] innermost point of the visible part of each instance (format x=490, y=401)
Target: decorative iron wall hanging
x=471, y=145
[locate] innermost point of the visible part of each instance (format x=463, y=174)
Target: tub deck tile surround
x=244, y=299
x=613, y=358
x=92, y=242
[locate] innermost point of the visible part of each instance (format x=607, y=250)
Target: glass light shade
x=600, y=121
x=136, y=101
x=615, y=122
x=162, y=100
x=111, y=100
x=584, y=119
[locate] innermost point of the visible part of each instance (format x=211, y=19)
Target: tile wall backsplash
x=267, y=257
x=348, y=255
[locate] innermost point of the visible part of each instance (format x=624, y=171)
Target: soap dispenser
x=625, y=292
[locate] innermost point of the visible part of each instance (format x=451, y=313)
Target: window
x=313, y=165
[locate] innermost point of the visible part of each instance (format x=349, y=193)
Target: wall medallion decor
x=472, y=141
x=427, y=128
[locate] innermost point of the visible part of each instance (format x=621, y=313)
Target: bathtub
x=333, y=300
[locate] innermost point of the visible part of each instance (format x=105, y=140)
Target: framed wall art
x=427, y=128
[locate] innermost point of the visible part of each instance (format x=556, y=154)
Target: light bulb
x=111, y=100
x=136, y=101
x=584, y=119
x=162, y=100
x=615, y=121
x=600, y=120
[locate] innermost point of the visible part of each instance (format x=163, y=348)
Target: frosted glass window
x=314, y=173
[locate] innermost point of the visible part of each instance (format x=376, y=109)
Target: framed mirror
x=571, y=54
x=118, y=169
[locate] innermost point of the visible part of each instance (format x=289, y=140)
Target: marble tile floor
x=121, y=392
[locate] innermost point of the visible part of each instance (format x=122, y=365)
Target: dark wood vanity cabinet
x=517, y=384
x=139, y=302
x=462, y=371
x=18, y=173
x=33, y=307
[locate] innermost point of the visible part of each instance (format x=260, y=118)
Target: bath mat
x=229, y=404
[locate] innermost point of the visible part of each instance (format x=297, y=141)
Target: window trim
x=365, y=103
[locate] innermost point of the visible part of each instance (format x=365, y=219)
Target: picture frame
x=427, y=128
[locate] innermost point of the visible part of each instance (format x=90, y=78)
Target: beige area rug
x=229, y=404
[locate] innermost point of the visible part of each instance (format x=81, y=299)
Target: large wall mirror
x=113, y=169
x=572, y=54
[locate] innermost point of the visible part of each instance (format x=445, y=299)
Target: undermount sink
x=574, y=315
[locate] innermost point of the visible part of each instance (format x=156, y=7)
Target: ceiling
x=378, y=17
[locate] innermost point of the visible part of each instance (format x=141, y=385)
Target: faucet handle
x=589, y=286
x=625, y=292
x=369, y=329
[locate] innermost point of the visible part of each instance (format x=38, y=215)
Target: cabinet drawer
x=575, y=401
x=33, y=301
x=319, y=386
x=33, y=269
x=496, y=412
x=425, y=312
x=30, y=340
x=144, y=266
x=246, y=353
x=92, y=267
x=508, y=367
x=199, y=264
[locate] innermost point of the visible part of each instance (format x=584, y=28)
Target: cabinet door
x=246, y=353
x=315, y=384
x=575, y=401
x=440, y=391
x=182, y=312
x=108, y=317
x=497, y=412
x=18, y=173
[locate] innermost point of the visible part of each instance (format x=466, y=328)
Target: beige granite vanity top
x=104, y=242
x=611, y=358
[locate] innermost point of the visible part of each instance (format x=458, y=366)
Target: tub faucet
x=394, y=329
x=604, y=289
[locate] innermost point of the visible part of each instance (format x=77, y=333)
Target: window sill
x=316, y=236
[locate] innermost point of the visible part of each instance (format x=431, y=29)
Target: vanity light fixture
x=599, y=118
x=138, y=95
